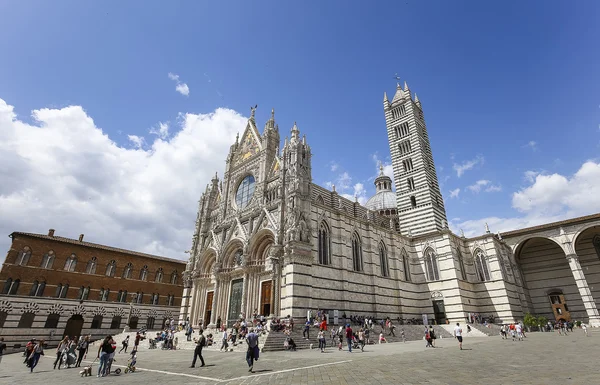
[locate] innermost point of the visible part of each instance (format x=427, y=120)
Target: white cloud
x=480, y=184
x=532, y=144
x=530, y=176
x=180, y=87
x=162, y=131
x=360, y=194
x=183, y=89
x=137, y=141
x=454, y=193
x=547, y=199
x=467, y=165
x=65, y=173
x=388, y=169
x=334, y=166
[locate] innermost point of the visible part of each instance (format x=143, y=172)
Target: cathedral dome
x=384, y=199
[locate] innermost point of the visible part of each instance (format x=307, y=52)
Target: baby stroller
x=356, y=343
x=131, y=364
x=152, y=344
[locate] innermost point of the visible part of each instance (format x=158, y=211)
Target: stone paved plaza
x=484, y=361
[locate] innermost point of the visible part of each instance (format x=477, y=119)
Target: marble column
x=245, y=294
x=584, y=290
x=213, y=312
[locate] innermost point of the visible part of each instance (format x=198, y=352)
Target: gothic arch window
x=461, y=262
x=97, y=322
x=48, y=260
x=139, y=297
x=127, y=271
x=320, y=200
x=11, y=287
x=84, y=293
x=52, y=321
x=159, y=275
x=406, y=265
x=122, y=296
x=26, y=320
x=91, y=266
x=174, y=278
x=324, y=244
x=24, y=256
x=111, y=268
x=357, y=262
x=62, y=290
x=70, y=263
x=37, y=288
x=596, y=242
x=431, y=266
x=383, y=261
x=154, y=299
x=170, y=299
x=481, y=266
x=144, y=273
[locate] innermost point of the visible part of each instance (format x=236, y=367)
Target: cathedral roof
x=385, y=198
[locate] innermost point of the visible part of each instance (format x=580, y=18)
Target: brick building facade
x=51, y=286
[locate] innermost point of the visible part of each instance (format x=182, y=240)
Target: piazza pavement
x=542, y=358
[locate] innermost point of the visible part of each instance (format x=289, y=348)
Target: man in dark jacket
x=200, y=343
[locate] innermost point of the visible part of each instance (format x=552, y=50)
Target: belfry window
x=324, y=244
x=413, y=201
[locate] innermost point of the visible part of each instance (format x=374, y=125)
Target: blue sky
x=511, y=85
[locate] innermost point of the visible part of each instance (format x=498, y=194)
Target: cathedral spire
x=295, y=132
x=271, y=122
x=399, y=93
x=385, y=99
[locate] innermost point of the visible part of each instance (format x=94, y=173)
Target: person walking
x=306, y=332
x=224, y=341
x=2, y=348
x=82, y=347
x=104, y=352
x=60, y=350
x=125, y=344
x=458, y=335
x=200, y=343
x=349, y=336
x=252, y=352
x=321, y=338
x=36, y=353
x=583, y=326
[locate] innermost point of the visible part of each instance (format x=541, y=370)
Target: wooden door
x=74, y=326
x=265, y=297
x=208, y=309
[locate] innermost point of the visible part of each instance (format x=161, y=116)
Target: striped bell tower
x=418, y=197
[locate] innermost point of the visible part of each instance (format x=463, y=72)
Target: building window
x=62, y=290
x=52, y=321
x=399, y=112
x=122, y=296
x=357, y=263
x=70, y=263
x=410, y=182
x=26, y=321
x=170, y=299
x=111, y=268
x=402, y=130
x=139, y=297
x=104, y=293
x=37, y=289
x=158, y=277
x=116, y=322
x=461, y=261
x=91, y=266
x=11, y=287
x=245, y=191
x=24, y=256
x=144, y=273
x=174, y=278
x=596, y=242
x=150, y=323
x=413, y=201
x=407, y=164
x=481, y=266
x=431, y=266
x=127, y=271
x=383, y=261
x=324, y=244
x=84, y=293
x=97, y=322
x=154, y=299
x=48, y=260
x=406, y=265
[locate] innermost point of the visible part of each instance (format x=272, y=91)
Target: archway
x=587, y=248
x=260, y=245
x=74, y=326
x=133, y=323
x=545, y=269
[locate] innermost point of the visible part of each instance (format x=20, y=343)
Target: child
x=382, y=338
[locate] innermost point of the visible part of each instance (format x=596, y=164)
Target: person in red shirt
x=349, y=337
x=323, y=325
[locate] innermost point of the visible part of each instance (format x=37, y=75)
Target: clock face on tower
x=245, y=191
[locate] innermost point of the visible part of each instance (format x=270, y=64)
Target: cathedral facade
x=268, y=240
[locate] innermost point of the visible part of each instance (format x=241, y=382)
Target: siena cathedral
x=268, y=240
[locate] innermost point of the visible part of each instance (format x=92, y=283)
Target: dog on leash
x=87, y=371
